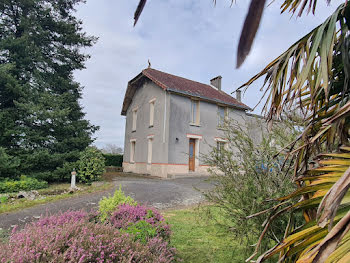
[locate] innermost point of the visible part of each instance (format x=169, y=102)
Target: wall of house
x=141, y=99
x=181, y=129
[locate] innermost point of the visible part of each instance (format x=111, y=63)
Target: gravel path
x=161, y=194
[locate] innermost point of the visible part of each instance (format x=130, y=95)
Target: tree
x=247, y=177
x=42, y=121
x=312, y=75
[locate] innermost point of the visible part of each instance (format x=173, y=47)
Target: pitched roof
x=185, y=87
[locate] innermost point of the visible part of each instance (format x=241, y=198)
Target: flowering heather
x=127, y=215
x=71, y=237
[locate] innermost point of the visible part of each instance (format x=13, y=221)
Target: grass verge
x=198, y=239
x=53, y=193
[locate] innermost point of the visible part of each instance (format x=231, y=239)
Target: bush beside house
x=91, y=165
x=113, y=159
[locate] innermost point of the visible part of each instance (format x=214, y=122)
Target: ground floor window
x=220, y=146
x=150, y=145
x=132, y=151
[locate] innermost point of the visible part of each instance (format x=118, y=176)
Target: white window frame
x=219, y=140
x=151, y=112
x=132, y=150
x=134, y=118
x=150, y=149
x=221, y=121
x=195, y=119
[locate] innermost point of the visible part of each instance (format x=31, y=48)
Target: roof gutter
x=208, y=99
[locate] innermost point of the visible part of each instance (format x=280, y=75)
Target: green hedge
x=24, y=184
x=113, y=159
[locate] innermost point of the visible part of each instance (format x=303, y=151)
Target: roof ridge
x=180, y=77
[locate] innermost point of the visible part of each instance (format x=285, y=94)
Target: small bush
x=91, y=165
x=113, y=159
x=71, y=237
x=24, y=184
x=133, y=219
x=3, y=199
x=109, y=204
x=142, y=231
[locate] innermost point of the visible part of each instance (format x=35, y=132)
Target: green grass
x=53, y=193
x=198, y=239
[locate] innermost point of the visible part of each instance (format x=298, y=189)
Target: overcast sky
x=188, y=38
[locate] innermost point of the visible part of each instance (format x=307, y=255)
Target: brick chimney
x=216, y=82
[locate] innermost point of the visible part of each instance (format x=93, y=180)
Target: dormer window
x=195, y=114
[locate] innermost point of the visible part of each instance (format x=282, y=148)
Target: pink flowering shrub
x=136, y=218
x=74, y=237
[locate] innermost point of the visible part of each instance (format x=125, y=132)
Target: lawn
x=198, y=239
x=53, y=193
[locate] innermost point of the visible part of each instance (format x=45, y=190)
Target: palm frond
x=326, y=187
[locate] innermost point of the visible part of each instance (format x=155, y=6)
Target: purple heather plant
x=73, y=237
x=128, y=215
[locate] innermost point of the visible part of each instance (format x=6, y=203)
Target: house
x=171, y=121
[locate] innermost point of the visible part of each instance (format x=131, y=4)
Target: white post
x=73, y=179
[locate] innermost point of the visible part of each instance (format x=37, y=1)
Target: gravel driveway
x=158, y=193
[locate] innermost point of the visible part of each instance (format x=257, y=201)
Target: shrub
x=24, y=184
x=71, y=237
x=138, y=218
x=109, y=204
x=248, y=178
x=3, y=199
x=91, y=165
x=142, y=231
x=113, y=159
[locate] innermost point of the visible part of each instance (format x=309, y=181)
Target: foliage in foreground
x=313, y=75
x=91, y=165
x=108, y=205
x=247, y=177
x=141, y=221
x=75, y=237
x=24, y=184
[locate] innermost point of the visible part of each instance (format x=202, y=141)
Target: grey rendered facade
x=165, y=147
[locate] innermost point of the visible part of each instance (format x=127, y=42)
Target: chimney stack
x=239, y=95
x=216, y=82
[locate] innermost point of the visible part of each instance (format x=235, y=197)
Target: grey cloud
x=189, y=38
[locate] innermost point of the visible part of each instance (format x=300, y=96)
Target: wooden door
x=191, y=160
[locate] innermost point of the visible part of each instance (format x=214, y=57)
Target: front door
x=192, y=156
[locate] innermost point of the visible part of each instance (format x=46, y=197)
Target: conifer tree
x=41, y=121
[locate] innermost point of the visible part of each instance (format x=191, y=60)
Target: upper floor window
x=195, y=114
x=222, y=115
x=134, y=119
x=151, y=112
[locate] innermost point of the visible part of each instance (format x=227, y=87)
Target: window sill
x=194, y=124
x=220, y=128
